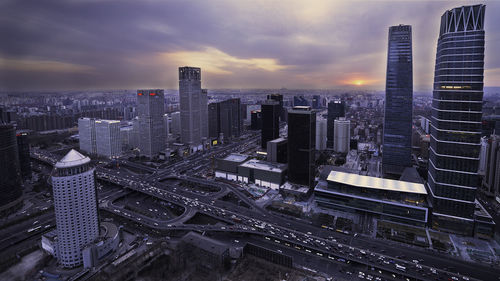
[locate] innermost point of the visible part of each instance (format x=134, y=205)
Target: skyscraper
x=279, y=99
x=192, y=103
x=336, y=109
x=10, y=174
x=23, y=147
x=342, y=136
x=396, y=154
x=108, y=140
x=225, y=117
x=301, y=143
x=456, y=119
x=270, y=121
x=320, y=134
x=152, y=137
x=316, y=102
x=75, y=206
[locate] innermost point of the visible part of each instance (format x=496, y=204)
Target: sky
x=295, y=44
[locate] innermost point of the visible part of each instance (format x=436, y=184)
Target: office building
x=321, y=134
x=279, y=99
x=491, y=179
x=175, y=129
x=108, y=140
x=300, y=101
x=86, y=133
x=456, y=119
x=270, y=121
x=10, y=174
x=127, y=137
x=342, y=136
x=394, y=200
x=256, y=120
x=166, y=122
x=75, y=206
x=193, y=104
x=277, y=150
x=336, y=109
x=23, y=148
x=396, y=151
x=150, y=109
x=301, y=144
x=224, y=119
x=316, y=102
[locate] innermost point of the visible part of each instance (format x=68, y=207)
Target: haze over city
x=80, y=45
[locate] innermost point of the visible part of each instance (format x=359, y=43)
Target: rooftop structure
x=72, y=159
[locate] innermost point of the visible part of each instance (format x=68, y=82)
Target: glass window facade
x=398, y=101
x=456, y=118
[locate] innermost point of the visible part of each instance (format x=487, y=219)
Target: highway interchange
x=297, y=235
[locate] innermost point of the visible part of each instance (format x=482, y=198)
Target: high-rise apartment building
x=301, y=144
x=150, y=109
x=396, y=153
x=336, y=109
x=10, y=174
x=456, y=119
x=342, y=136
x=270, y=121
x=75, y=206
x=193, y=104
x=108, y=140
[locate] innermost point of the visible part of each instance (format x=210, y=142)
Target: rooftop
x=278, y=140
x=235, y=157
x=263, y=165
x=205, y=243
x=72, y=159
x=376, y=183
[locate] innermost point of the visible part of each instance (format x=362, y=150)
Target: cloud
x=257, y=44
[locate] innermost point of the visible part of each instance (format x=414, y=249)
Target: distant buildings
x=256, y=120
x=100, y=137
x=150, y=108
x=300, y=101
x=321, y=126
x=396, y=154
x=10, y=174
x=336, y=109
x=75, y=206
x=456, y=121
x=342, y=137
x=270, y=121
x=277, y=150
x=224, y=119
x=301, y=145
x=316, y=102
x=193, y=103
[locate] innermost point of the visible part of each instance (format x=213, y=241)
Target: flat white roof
x=262, y=165
x=376, y=183
x=235, y=157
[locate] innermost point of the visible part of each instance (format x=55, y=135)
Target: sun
x=358, y=82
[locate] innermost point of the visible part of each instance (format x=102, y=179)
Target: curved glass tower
x=456, y=119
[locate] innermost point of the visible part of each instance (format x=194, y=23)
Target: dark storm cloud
x=129, y=44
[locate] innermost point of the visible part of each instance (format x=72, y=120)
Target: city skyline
x=82, y=45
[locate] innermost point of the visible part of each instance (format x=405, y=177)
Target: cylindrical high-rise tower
x=75, y=205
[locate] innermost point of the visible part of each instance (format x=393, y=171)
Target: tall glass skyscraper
x=301, y=145
x=456, y=119
x=150, y=108
x=398, y=101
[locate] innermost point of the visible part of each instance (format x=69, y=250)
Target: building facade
x=321, y=133
x=86, y=132
x=10, y=174
x=342, y=137
x=23, y=147
x=75, y=205
x=150, y=108
x=336, y=109
x=108, y=140
x=270, y=121
x=396, y=154
x=225, y=118
x=194, y=115
x=456, y=119
x=301, y=145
